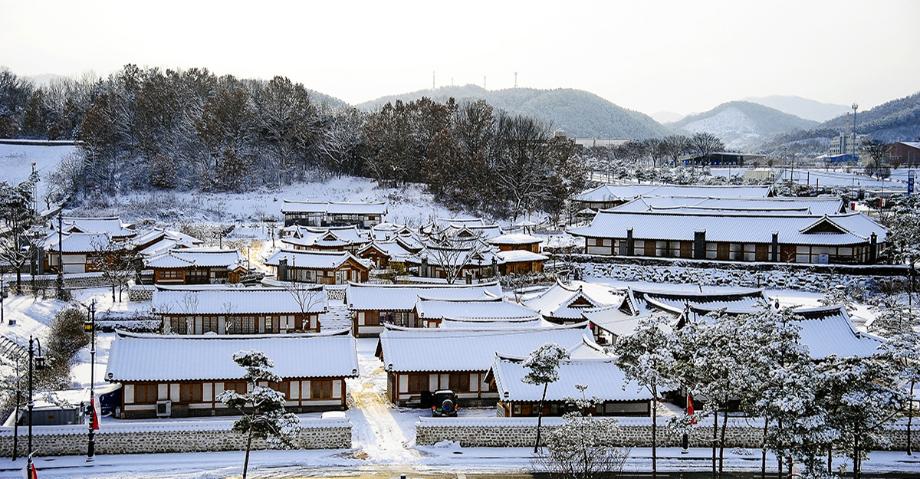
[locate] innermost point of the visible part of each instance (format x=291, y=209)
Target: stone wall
x=631, y=432
x=141, y=292
x=206, y=436
x=48, y=282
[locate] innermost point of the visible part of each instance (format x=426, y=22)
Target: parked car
x=444, y=404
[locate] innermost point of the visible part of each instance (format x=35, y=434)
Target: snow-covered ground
x=409, y=205
x=16, y=162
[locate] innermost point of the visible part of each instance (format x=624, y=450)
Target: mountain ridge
x=576, y=112
x=742, y=125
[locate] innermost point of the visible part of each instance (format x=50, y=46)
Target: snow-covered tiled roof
x=557, y=301
x=493, y=309
x=402, y=297
x=314, y=259
x=605, y=193
x=81, y=242
x=515, y=239
x=518, y=256
x=393, y=249
x=828, y=331
x=198, y=257
x=855, y=228
x=527, y=323
x=111, y=225
x=612, y=319
x=333, y=208
x=735, y=301
x=424, y=349
x=148, y=357
x=181, y=300
x=771, y=205
x=603, y=379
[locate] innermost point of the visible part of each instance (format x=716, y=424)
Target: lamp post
x=18, y=404
x=36, y=362
x=90, y=326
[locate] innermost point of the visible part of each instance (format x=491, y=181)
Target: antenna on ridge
x=515, y=79
x=432, y=80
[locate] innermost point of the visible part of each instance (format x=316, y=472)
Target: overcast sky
x=681, y=56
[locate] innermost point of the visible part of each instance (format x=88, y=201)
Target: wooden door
x=648, y=248
x=723, y=250
x=686, y=249
x=762, y=252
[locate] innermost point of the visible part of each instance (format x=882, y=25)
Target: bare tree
x=453, y=254
x=704, y=144
x=306, y=296
x=116, y=261
x=878, y=154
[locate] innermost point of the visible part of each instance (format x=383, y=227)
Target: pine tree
x=542, y=369
x=261, y=408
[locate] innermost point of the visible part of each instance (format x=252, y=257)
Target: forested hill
x=576, y=112
x=742, y=125
x=896, y=120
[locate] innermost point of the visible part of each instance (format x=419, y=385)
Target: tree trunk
x=536, y=446
x=763, y=452
x=246, y=459
x=654, y=430
x=910, y=417
x=722, y=441
x=856, y=472
x=830, y=459
x=715, y=439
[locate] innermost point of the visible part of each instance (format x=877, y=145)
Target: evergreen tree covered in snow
x=542, y=369
x=860, y=396
x=904, y=351
x=647, y=356
x=261, y=408
x=17, y=247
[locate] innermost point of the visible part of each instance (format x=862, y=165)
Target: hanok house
x=110, y=225
x=731, y=236
x=342, y=238
x=320, y=267
x=181, y=376
x=157, y=241
x=197, y=266
x=783, y=206
x=239, y=310
x=394, y=255
x=430, y=313
x=608, y=196
x=420, y=361
x=600, y=378
x=310, y=213
x=374, y=305
x=611, y=322
x=564, y=303
x=79, y=252
x=518, y=253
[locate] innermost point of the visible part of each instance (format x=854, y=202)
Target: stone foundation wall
x=335, y=435
x=48, y=282
x=631, y=432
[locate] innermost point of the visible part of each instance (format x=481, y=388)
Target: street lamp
x=36, y=363
x=90, y=326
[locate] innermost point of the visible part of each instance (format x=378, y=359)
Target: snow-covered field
x=409, y=205
x=16, y=162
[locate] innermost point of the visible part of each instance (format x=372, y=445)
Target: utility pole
x=91, y=325
x=60, y=272
x=855, y=107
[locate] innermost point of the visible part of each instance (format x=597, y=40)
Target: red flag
x=690, y=410
x=33, y=474
x=94, y=417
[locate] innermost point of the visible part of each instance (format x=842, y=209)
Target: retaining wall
x=631, y=432
x=150, y=437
